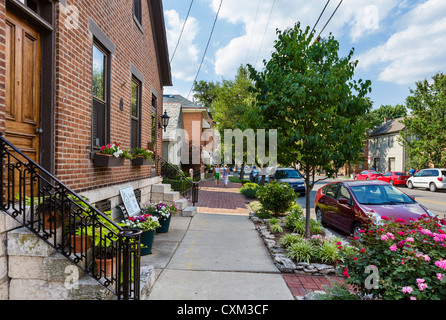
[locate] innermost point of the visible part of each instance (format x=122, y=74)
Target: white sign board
x=129, y=200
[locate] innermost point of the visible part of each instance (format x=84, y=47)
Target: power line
x=328, y=1
x=269, y=18
x=179, y=38
x=252, y=32
x=330, y=18
x=209, y=40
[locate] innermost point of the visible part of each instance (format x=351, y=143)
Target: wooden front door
x=22, y=86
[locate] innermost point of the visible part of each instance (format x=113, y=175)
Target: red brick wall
x=74, y=83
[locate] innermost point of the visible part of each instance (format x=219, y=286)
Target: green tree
x=425, y=133
x=306, y=92
x=230, y=102
x=376, y=117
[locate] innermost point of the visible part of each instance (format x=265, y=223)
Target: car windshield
x=374, y=172
x=380, y=194
x=285, y=174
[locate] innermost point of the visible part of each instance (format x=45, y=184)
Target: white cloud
x=354, y=18
x=414, y=53
x=185, y=60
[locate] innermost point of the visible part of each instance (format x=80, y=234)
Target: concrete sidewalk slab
x=213, y=285
x=220, y=257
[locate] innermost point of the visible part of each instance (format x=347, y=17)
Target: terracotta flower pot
x=106, y=267
x=52, y=220
x=81, y=243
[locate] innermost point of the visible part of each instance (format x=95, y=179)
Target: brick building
x=77, y=75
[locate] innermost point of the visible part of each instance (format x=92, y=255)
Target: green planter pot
x=147, y=242
x=165, y=223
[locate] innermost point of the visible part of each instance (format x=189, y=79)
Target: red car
x=367, y=175
x=352, y=205
x=395, y=177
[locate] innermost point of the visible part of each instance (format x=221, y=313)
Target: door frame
x=44, y=21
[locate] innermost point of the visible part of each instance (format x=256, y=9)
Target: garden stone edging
x=284, y=263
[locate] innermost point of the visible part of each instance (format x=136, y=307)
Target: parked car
x=431, y=178
x=290, y=176
x=258, y=177
x=367, y=175
x=395, y=177
x=352, y=205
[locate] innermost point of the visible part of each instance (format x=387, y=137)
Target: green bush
x=276, y=197
x=290, y=238
x=301, y=251
x=249, y=190
x=294, y=216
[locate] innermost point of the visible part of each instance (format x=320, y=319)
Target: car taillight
x=440, y=179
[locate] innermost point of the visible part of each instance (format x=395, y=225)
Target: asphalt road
x=434, y=201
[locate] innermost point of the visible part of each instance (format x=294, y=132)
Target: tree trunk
x=307, y=202
x=242, y=171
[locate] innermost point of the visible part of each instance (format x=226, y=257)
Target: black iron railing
x=185, y=185
x=67, y=222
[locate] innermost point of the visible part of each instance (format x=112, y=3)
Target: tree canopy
x=425, y=128
x=306, y=91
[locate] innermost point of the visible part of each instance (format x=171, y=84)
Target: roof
x=174, y=112
x=160, y=40
x=186, y=104
x=391, y=126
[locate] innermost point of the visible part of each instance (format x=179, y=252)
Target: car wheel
x=367, y=178
x=432, y=187
x=356, y=178
x=355, y=229
x=410, y=184
x=391, y=182
x=319, y=216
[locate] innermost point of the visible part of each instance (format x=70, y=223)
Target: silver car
x=431, y=178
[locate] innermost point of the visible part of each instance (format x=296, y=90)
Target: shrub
x=301, y=251
x=337, y=291
x=275, y=228
x=276, y=197
x=290, y=238
x=249, y=190
x=408, y=257
x=294, y=216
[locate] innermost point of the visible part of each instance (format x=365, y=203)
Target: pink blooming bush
x=410, y=257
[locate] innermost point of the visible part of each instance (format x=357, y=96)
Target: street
x=434, y=201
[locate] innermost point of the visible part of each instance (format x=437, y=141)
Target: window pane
x=154, y=102
x=99, y=61
x=135, y=94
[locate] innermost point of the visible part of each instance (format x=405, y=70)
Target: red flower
x=362, y=250
x=345, y=274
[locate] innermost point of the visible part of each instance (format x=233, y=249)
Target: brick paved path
x=228, y=200
x=220, y=199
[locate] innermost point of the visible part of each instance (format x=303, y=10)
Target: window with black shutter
x=154, y=102
x=135, y=115
x=100, y=113
x=137, y=11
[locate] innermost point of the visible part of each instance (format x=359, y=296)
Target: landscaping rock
x=284, y=263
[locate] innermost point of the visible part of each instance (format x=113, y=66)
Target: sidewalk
x=218, y=254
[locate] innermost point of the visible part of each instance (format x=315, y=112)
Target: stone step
x=161, y=188
x=189, y=211
x=171, y=196
x=181, y=204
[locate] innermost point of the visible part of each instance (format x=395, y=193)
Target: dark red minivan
x=351, y=205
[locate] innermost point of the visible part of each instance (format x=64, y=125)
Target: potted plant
x=148, y=224
x=111, y=155
x=164, y=213
x=48, y=207
x=142, y=156
x=104, y=235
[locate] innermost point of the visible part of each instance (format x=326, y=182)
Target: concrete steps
x=38, y=272
x=162, y=192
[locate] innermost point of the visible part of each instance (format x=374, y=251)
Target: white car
x=431, y=178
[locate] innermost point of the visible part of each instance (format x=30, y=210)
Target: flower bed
x=400, y=259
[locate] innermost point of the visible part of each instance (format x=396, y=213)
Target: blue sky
x=396, y=42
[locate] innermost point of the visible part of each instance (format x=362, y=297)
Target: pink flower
x=422, y=286
x=413, y=298
x=393, y=248
x=384, y=237
x=401, y=233
x=440, y=276
x=409, y=239
x=420, y=280
x=441, y=263
x=407, y=290
x=390, y=235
